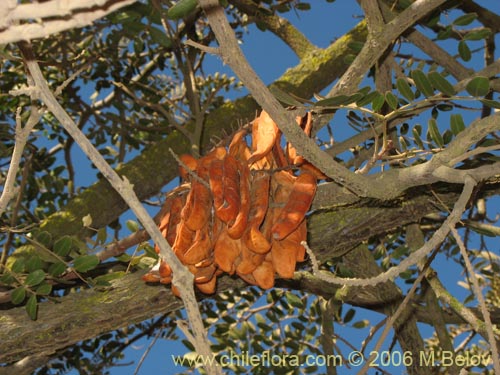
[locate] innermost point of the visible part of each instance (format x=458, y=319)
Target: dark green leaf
x=464, y=51
x=160, y=37
x=18, y=266
x=456, y=123
x=434, y=134
x=465, y=20
x=34, y=263
x=445, y=33
x=333, y=102
x=303, y=6
x=405, y=89
x=44, y=238
x=485, y=230
x=56, y=269
x=86, y=263
x=422, y=82
x=181, y=9
x=18, y=295
x=416, y=134
x=378, y=102
x=391, y=100
x=478, y=34
x=441, y=84
x=32, y=307
x=491, y=103
x=367, y=98
x=63, y=246
x=44, y=289
x=294, y=300
x=478, y=86
x=447, y=136
x=35, y=278
x=349, y=315
x=7, y=278
x=283, y=96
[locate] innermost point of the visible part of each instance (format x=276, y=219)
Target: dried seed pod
x=152, y=276
x=248, y=261
x=197, y=209
x=259, y=198
x=209, y=287
x=305, y=123
x=238, y=147
x=284, y=257
x=183, y=240
x=264, y=275
x=230, y=207
x=190, y=162
x=164, y=269
x=297, y=236
x=203, y=274
x=224, y=183
x=226, y=250
x=175, y=291
x=175, y=217
x=200, y=248
x=307, y=167
x=264, y=134
x=236, y=229
x=295, y=209
x=256, y=241
x=248, y=278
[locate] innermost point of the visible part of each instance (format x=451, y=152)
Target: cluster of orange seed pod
x=244, y=211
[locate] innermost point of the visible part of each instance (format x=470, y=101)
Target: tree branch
x=69, y=15
x=182, y=278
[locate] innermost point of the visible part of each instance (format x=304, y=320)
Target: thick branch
x=129, y=300
x=81, y=13
x=281, y=27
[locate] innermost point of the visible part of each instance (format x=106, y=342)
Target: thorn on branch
x=211, y=50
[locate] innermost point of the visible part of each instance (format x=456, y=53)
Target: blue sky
x=270, y=58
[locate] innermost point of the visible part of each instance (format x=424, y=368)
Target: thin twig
x=22, y=134
x=482, y=304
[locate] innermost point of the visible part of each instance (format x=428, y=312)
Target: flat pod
x=151, y=277
x=225, y=186
x=264, y=275
x=183, y=240
x=238, y=147
x=248, y=261
x=297, y=236
x=230, y=207
x=226, y=250
x=264, y=134
x=190, y=165
x=175, y=218
x=259, y=198
x=237, y=228
x=197, y=210
x=295, y=209
x=203, y=274
x=284, y=257
x=200, y=248
x=209, y=287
